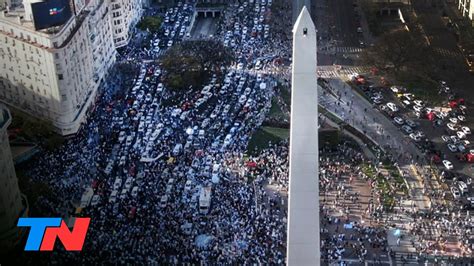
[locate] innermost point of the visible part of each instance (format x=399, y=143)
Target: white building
x=467, y=8
x=53, y=72
x=125, y=16
x=12, y=203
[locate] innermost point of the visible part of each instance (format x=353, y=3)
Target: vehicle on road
x=448, y=165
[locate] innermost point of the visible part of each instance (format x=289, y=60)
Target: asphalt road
x=337, y=23
x=204, y=27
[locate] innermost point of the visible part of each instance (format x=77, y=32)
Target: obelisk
x=297, y=6
x=303, y=242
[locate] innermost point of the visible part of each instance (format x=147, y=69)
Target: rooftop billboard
x=51, y=13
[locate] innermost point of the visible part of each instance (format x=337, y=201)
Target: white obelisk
x=303, y=241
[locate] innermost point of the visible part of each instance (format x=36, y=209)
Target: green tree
x=190, y=63
x=151, y=23
x=398, y=50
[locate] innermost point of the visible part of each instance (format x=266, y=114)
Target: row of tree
x=191, y=63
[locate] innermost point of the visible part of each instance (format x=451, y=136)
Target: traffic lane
x=433, y=133
x=344, y=19
x=375, y=119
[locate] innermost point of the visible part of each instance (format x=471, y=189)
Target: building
x=125, y=16
x=12, y=202
x=466, y=7
x=101, y=36
x=303, y=239
x=52, y=59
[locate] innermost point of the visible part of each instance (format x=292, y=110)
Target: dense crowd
x=150, y=155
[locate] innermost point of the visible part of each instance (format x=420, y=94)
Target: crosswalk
x=344, y=73
x=405, y=259
x=340, y=49
x=349, y=50
x=448, y=53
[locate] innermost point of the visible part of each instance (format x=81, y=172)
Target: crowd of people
x=149, y=152
x=152, y=156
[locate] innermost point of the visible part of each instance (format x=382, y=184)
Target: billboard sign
x=51, y=13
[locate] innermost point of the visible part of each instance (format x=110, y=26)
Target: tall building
x=467, y=9
x=303, y=240
x=53, y=57
x=125, y=16
x=12, y=203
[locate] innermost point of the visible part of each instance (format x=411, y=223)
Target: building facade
x=466, y=7
x=54, y=73
x=125, y=15
x=12, y=203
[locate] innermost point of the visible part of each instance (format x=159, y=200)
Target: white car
x=415, y=137
x=187, y=186
x=453, y=120
x=448, y=165
x=456, y=192
x=135, y=192
x=418, y=108
x=396, y=89
x=160, y=87
x=392, y=107
x=242, y=99
x=113, y=196
x=452, y=126
x=445, y=138
x=95, y=200
x=419, y=102
x=398, y=120
x=461, y=118
x=170, y=43
x=454, y=139
x=452, y=147
x=462, y=187
x=466, y=130
x=461, y=135
x=420, y=134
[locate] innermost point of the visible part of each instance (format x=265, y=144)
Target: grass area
x=262, y=137
x=383, y=185
x=329, y=115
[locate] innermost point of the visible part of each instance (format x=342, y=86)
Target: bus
x=205, y=200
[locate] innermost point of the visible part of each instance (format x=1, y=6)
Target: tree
x=190, y=63
x=398, y=50
x=151, y=23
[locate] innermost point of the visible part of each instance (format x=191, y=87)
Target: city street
x=183, y=158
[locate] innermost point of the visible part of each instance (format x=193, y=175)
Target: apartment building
x=52, y=59
x=12, y=203
x=125, y=16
